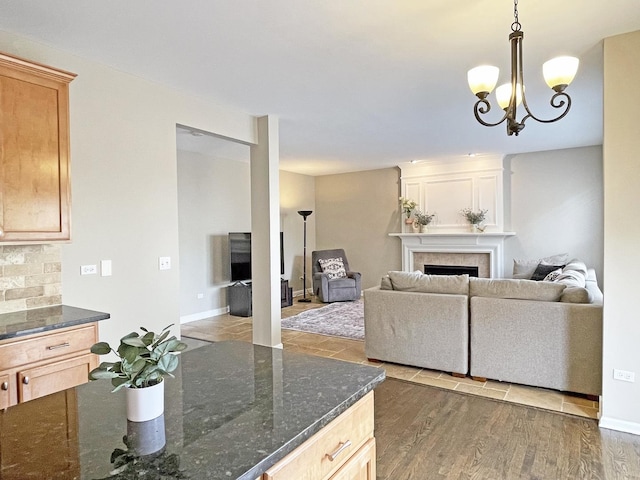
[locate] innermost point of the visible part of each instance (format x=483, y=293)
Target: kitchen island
x=234, y=411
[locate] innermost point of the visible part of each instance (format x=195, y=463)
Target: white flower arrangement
x=407, y=205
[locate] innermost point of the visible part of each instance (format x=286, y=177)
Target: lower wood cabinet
x=344, y=449
x=37, y=365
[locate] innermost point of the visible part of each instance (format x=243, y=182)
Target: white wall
x=621, y=350
x=555, y=205
x=124, y=186
x=214, y=197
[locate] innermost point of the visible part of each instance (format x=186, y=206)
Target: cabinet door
x=361, y=466
x=53, y=377
x=5, y=385
x=34, y=159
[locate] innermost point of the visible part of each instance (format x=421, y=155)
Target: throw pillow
x=333, y=267
x=552, y=277
x=543, y=270
x=523, y=269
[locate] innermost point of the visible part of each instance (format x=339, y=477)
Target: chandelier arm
x=557, y=101
x=482, y=107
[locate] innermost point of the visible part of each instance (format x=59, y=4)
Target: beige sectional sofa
x=541, y=333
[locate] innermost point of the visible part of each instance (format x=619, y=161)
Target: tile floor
x=229, y=327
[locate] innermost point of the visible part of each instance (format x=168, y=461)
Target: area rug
x=340, y=319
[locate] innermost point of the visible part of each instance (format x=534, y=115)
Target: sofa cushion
x=524, y=268
x=333, y=267
x=419, y=282
x=516, y=289
x=576, y=295
x=542, y=271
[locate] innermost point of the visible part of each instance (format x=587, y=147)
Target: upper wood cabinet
x=35, y=197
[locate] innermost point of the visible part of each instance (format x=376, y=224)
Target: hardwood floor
x=428, y=429
x=429, y=433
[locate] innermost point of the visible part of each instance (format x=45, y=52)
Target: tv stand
x=239, y=297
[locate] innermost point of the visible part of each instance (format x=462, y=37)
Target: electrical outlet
x=88, y=269
x=200, y=296
x=164, y=263
x=624, y=375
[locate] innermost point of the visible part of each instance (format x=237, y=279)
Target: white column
x=265, y=233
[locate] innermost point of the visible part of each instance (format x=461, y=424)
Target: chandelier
x=558, y=73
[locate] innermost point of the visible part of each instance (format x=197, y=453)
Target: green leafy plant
x=144, y=359
x=474, y=218
x=423, y=218
x=407, y=205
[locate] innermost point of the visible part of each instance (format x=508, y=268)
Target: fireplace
x=484, y=251
x=470, y=270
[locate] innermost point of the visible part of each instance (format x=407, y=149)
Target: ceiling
x=357, y=84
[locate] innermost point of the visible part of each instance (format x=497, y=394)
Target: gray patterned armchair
x=334, y=284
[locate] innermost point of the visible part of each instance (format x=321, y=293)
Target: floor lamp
x=305, y=214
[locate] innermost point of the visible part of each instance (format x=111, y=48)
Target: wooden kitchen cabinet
x=343, y=450
x=37, y=365
x=34, y=155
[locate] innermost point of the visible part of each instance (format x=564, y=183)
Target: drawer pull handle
x=25, y=380
x=55, y=347
x=5, y=386
x=341, y=448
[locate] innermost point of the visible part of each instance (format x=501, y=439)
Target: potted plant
x=421, y=220
x=144, y=362
x=408, y=206
x=474, y=218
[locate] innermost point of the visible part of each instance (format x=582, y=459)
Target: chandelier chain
x=515, y=26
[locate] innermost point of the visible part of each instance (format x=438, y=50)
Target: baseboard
x=619, y=425
x=202, y=315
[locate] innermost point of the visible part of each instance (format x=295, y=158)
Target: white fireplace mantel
x=488, y=242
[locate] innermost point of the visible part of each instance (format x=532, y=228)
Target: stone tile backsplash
x=30, y=277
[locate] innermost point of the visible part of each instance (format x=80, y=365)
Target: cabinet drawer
x=361, y=466
x=53, y=377
x=311, y=460
x=42, y=347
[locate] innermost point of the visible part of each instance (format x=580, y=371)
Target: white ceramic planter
x=144, y=404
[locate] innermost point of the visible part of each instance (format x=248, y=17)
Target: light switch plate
x=105, y=268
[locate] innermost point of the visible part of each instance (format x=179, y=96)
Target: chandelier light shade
x=558, y=72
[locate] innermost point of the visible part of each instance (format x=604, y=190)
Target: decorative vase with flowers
x=408, y=206
x=144, y=362
x=422, y=220
x=475, y=219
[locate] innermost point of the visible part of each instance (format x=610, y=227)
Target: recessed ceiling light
x=414, y=161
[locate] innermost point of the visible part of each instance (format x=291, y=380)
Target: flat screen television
x=240, y=255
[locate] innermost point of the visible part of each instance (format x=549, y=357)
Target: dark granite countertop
x=38, y=320
x=233, y=410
